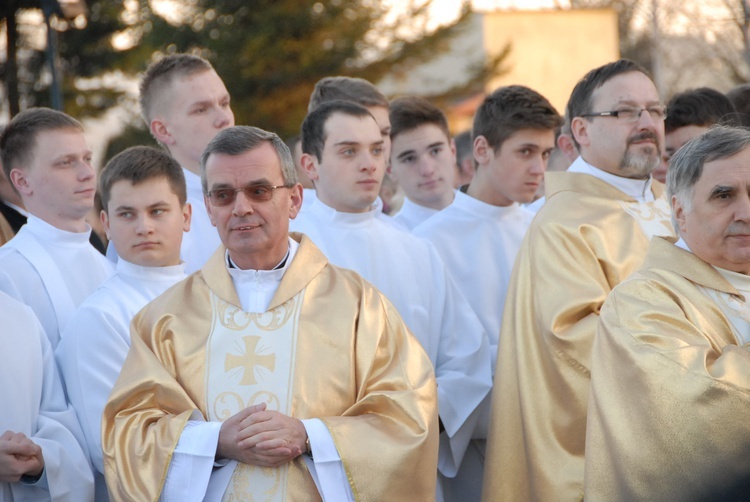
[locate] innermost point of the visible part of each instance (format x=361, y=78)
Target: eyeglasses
x=256, y=193
x=631, y=114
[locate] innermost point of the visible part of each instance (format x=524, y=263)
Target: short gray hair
x=240, y=139
x=686, y=166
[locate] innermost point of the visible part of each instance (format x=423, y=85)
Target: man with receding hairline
x=670, y=366
x=590, y=234
x=185, y=104
x=270, y=373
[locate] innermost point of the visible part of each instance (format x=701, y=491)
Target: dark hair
x=240, y=139
x=740, y=98
x=699, y=107
x=161, y=73
x=408, y=113
x=138, y=164
x=18, y=139
x=464, y=146
x=292, y=141
x=355, y=90
x=580, y=99
x=510, y=109
x=313, y=127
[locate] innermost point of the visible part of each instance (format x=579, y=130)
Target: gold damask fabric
x=669, y=411
x=6, y=233
x=356, y=367
x=585, y=240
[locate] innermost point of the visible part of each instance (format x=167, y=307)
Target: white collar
x=280, y=267
x=741, y=282
x=52, y=234
x=640, y=190
x=326, y=212
x=142, y=273
x=256, y=288
x=481, y=208
x=418, y=210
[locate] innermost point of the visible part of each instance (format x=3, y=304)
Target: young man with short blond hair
x=185, y=104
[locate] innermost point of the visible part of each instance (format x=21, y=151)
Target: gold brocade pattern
x=654, y=218
x=359, y=370
x=586, y=239
x=6, y=233
x=670, y=388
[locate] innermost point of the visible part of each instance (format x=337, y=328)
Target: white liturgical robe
x=97, y=339
x=478, y=243
x=52, y=271
x=32, y=402
x=411, y=214
x=203, y=239
x=412, y=276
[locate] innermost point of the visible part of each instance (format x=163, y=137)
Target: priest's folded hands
x=259, y=437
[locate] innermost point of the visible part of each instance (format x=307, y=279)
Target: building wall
x=551, y=50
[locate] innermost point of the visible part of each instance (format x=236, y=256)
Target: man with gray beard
x=591, y=233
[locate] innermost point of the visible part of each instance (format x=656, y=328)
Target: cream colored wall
x=551, y=50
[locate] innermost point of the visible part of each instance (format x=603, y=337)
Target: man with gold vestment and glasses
x=591, y=233
x=669, y=410
x=269, y=374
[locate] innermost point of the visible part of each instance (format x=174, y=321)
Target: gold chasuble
x=586, y=239
x=669, y=412
x=6, y=233
x=329, y=347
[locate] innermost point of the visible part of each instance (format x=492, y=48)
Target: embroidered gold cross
x=249, y=360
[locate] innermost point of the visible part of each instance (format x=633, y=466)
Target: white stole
x=53, y=281
x=251, y=359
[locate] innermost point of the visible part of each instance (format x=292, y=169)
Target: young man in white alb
x=50, y=264
x=423, y=159
x=185, y=104
x=343, y=155
x=145, y=214
x=478, y=236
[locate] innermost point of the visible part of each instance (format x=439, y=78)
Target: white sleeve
x=326, y=467
x=462, y=368
x=192, y=462
x=67, y=472
x=91, y=352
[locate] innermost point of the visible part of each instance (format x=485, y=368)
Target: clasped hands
x=259, y=437
x=19, y=456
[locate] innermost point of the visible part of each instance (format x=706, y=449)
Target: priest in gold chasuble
x=591, y=233
x=269, y=374
x=669, y=410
